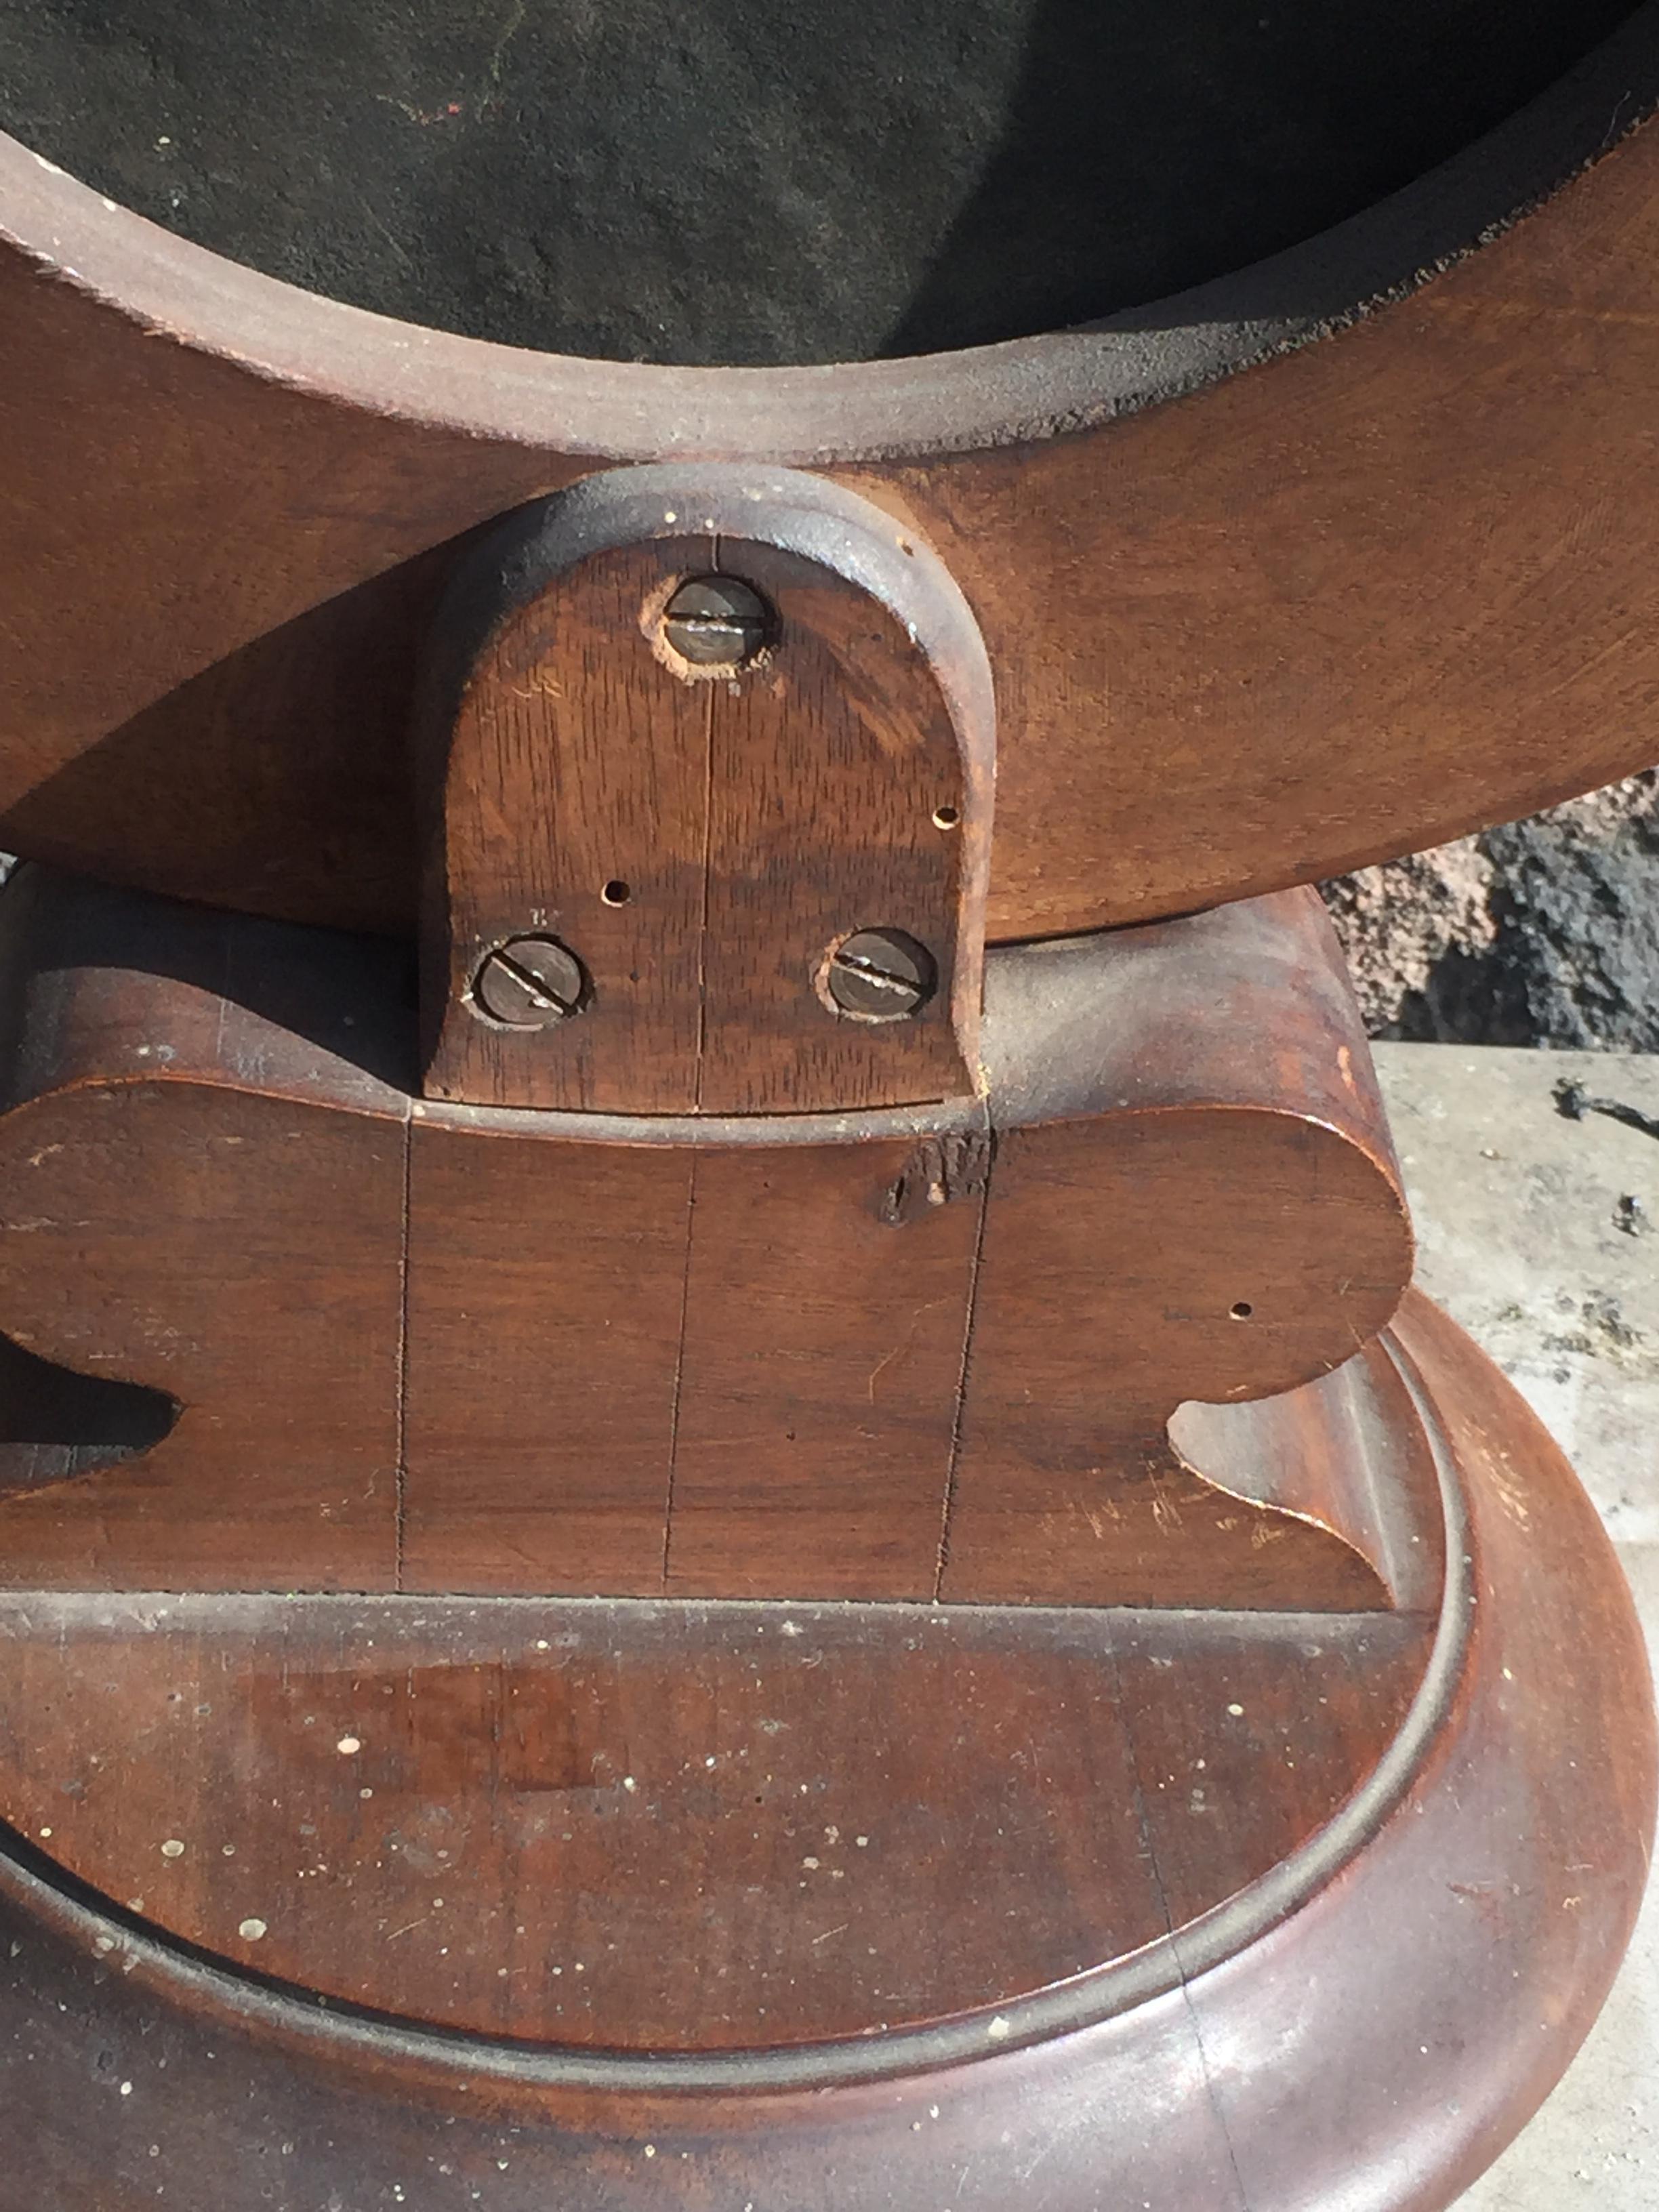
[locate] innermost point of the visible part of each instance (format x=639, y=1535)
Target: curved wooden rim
x=1379, y=2046
x=1105, y=1993
x=950, y=402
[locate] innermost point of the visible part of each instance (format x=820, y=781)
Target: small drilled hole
x=1243, y=1310
x=617, y=892
x=945, y=817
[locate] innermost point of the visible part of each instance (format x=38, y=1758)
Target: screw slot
x=879, y=975
x=617, y=892
x=716, y=622
x=529, y=983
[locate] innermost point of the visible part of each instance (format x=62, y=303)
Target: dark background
x=765, y=181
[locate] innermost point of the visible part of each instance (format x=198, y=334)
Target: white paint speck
x=1237, y=1712
x=251, y=1931
x=348, y=1744
x=172, y=1848
x=45, y=1832
x=1000, y=2030
x=126, y=2088
x=629, y=1782
x=791, y=1628
x=651, y=2150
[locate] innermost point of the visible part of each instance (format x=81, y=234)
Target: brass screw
x=716, y=622
x=881, y=976
x=530, y=983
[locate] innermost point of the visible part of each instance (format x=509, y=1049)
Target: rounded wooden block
x=1358, y=2009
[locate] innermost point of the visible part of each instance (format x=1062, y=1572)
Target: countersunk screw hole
x=717, y=624
x=530, y=983
x=617, y=892
x=1243, y=1310
x=879, y=975
x=945, y=817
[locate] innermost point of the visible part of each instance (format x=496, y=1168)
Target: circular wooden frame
x=1271, y=586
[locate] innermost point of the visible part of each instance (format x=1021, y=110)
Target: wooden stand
x=515, y=1901
x=1283, y=1775
x=720, y=1488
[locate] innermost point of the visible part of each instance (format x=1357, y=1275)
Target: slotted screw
x=716, y=622
x=530, y=983
x=881, y=976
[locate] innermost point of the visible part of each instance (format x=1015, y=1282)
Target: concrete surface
x=1524, y=1222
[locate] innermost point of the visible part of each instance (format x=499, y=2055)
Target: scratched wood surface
x=650, y=1828
x=226, y=504
x=701, y=842
x=1502, y=1935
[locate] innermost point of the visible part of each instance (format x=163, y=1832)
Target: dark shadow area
x=1151, y=149
x=736, y=181
x=351, y=998
x=56, y=1425
x=277, y=780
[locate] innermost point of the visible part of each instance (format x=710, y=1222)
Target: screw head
x=716, y=621
x=881, y=976
x=530, y=983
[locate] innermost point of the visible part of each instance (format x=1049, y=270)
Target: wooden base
x=885, y=1905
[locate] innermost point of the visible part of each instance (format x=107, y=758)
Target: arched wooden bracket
x=915, y=1352
x=708, y=754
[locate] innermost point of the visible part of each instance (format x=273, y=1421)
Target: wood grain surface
x=1430, y=1916
x=701, y=843
x=650, y=1828
x=905, y=1353
x=1357, y=598
x=137, y=1246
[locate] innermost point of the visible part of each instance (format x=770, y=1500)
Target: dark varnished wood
x=577, y=761
x=916, y=1353
x=1183, y=604
x=823, y=1372
x=546, y=1311
x=534, y=1899
x=1501, y=1935
x=1168, y=1256
x=672, y=1828
x=703, y=840
x=212, y=1313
